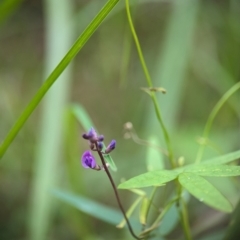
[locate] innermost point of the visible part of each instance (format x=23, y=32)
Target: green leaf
x=215, y=170
x=214, y=161
x=90, y=207
x=154, y=178
x=223, y=159
x=154, y=156
x=204, y=191
x=82, y=116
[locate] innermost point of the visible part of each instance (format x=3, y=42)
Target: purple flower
x=111, y=146
x=88, y=160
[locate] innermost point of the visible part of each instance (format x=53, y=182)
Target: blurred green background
x=192, y=49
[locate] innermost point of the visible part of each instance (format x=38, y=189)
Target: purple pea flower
x=88, y=160
x=111, y=146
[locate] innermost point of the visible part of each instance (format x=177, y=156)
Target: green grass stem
x=77, y=46
x=149, y=82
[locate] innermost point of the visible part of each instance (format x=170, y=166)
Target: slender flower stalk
x=88, y=161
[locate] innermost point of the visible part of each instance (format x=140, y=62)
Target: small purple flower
x=111, y=146
x=88, y=160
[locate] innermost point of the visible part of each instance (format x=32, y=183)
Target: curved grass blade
x=204, y=191
x=154, y=178
x=90, y=207
x=77, y=46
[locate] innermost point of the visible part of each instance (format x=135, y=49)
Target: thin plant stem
x=151, y=200
x=212, y=116
x=77, y=46
x=116, y=192
x=184, y=220
x=156, y=223
x=149, y=81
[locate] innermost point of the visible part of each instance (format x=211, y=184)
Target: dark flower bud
x=100, y=145
x=85, y=136
x=92, y=135
x=100, y=138
x=111, y=146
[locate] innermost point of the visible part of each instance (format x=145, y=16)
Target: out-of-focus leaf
x=154, y=178
x=84, y=119
x=138, y=192
x=233, y=231
x=230, y=157
x=143, y=211
x=170, y=219
x=129, y=212
x=82, y=116
x=204, y=191
x=223, y=159
x=154, y=157
x=90, y=207
x=215, y=170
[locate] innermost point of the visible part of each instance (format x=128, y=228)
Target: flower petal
x=88, y=160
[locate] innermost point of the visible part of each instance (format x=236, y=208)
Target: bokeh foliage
x=192, y=50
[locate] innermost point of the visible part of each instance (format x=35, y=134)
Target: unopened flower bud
x=111, y=146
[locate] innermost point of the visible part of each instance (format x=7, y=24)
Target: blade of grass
x=77, y=46
x=59, y=35
x=173, y=58
x=149, y=82
x=88, y=206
